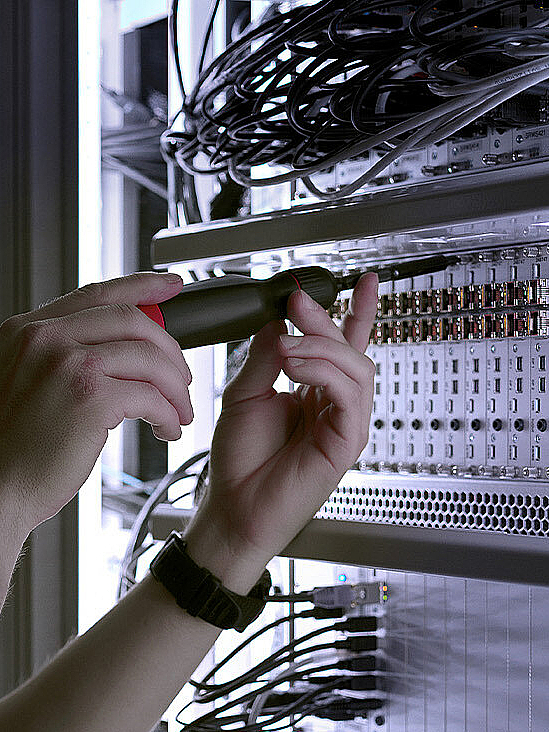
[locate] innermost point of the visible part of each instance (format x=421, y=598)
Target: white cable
x=260, y=699
x=430, y=134
x=493, y=101
x=359, y=148
x=519, y=50
x=505, y=77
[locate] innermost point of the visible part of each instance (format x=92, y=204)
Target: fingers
x=359, y=319
x=121, y=322
x=144, y=361
x=261, y=368
x=352, y=363
x=141, y=288
x=139, y=400
x=346, y=395
x=310, y=318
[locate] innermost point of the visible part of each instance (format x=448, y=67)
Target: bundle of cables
x=138, y=544
x=304, y=668
x=310, y=86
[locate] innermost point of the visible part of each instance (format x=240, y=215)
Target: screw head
x=379, y=720
x=515, y=348
x=497, y=143
x=519, y=138
x=538, y=346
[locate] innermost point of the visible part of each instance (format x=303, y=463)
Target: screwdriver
x=234, y=307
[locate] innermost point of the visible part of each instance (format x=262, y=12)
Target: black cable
x=209, y=29
x=140, y=527
x=273, y=624
x=267, y=666
x=303, y=87
x=175, y=48
x=278, y=657
x=358, y=682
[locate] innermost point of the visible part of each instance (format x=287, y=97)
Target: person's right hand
x=71, y=371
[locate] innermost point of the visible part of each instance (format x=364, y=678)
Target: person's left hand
x=276, y=457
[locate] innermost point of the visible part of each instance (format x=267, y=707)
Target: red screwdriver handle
x=154, y=313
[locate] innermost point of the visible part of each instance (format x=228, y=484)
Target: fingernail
x=171, y=277
x=307, y=301
x=295, y=361
x=289, y=341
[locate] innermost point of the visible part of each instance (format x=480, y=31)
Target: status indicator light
x=342, y=578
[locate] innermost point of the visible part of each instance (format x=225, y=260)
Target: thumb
x=261, y=367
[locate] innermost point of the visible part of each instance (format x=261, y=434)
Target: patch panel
x=460, y=156
x=463, y=384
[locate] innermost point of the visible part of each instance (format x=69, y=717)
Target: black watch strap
x=201, y=593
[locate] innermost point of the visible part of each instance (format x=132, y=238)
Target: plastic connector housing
x=367, y=624
x=349, y=596
x=359, y=663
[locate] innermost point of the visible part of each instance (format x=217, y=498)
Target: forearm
x=124, y=672
x=12, y=537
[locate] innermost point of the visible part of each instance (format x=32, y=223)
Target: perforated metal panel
x=444, y=507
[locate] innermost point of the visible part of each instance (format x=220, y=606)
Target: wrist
x=15, y=523
x=236, y=565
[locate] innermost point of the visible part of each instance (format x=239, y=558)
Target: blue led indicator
x=342, y=578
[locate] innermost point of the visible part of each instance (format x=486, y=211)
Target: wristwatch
x=201, y=593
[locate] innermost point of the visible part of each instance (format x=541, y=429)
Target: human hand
x=276, y=457
x=71, y=371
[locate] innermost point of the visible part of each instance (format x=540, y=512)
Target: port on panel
x=518, y=385
x=497, y=364
x=542, y=363
x=542, y=384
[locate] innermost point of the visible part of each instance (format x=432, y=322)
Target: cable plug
x=341, y=710
x=350, y=596
x=359, y=643
x=358, y=663
x=364, y=682
x=359, y=624
x=325, y=613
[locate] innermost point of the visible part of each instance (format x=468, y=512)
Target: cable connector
x=364, y=682
x=359, y=624
x=325, y=613
x=358, y=663
x=358, y=643
x=350, y=596
x=342, y=710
